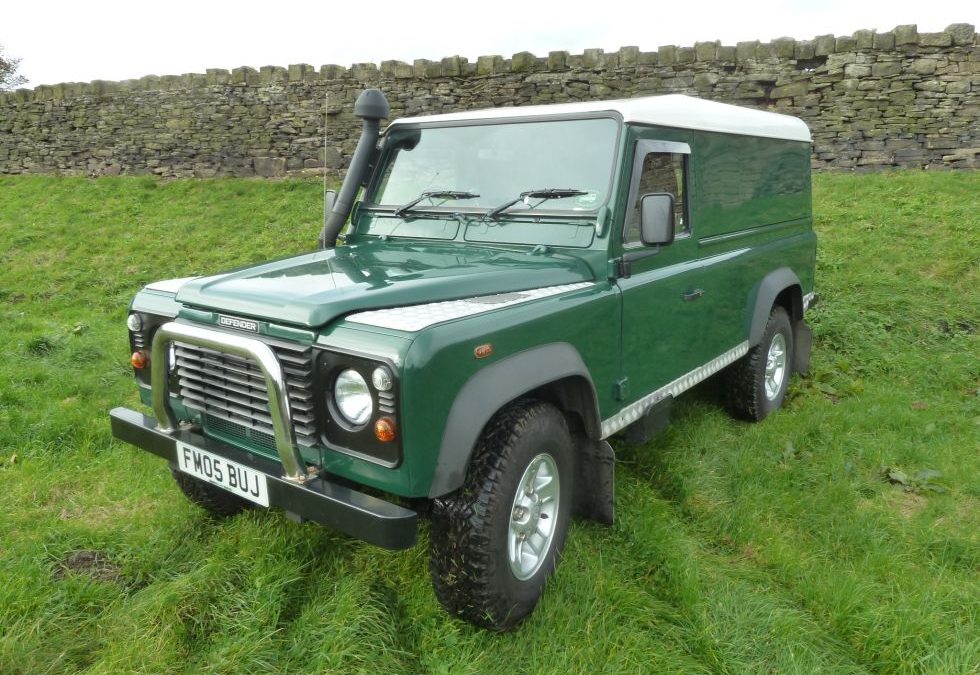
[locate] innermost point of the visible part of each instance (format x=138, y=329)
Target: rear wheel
x=496, y=540
x=211, y=498
x=756, y=384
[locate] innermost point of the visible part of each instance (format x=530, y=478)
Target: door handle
x=693, y=295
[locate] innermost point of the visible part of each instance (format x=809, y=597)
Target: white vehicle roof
x=672, y=110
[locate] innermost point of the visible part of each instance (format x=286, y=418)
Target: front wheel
x=496, y=540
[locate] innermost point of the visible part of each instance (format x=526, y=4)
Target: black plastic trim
x=802, y=345
x=338, y=435
x=337, y=506
x=489, y=390
x=765, y=296
x=624, y=265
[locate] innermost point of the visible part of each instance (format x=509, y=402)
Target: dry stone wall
x=873, y=100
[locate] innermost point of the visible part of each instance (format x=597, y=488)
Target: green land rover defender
x=514, y=287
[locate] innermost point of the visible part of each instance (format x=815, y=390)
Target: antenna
x=329, y=196
x=326, y=118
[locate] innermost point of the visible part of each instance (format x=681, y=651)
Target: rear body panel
x=749, y=207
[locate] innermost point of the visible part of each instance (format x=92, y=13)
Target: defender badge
x=240, y=324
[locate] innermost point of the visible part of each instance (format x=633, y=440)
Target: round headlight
x=134, y=322
x=353, y=398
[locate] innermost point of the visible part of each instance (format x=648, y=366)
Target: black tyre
x=756, y=384
x=495, y=541
x=213, y=499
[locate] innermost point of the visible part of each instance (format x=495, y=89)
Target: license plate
x=241, y=480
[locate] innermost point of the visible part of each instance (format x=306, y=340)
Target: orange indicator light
x=483, y=351
x=384, y=429
x=139, y=360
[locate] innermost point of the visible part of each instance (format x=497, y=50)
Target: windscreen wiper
x=434, y=194
x=542, y=194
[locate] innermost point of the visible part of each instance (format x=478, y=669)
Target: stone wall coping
x=902, y=37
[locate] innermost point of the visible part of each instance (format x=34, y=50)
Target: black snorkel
x=371, y=106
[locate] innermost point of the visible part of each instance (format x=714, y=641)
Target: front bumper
x=337, y=506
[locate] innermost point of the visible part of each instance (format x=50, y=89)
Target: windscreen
x=500, y=161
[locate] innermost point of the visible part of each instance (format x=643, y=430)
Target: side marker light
x=483, y=351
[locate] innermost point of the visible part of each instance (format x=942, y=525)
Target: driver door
x=661, y=285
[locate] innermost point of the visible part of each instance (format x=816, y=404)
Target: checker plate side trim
x=808, y=300
x=635, y=411
x=416, y=317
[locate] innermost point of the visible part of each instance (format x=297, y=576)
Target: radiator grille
x=266, y=442
x=231, y=391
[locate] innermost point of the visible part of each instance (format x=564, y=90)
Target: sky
x=116, y=40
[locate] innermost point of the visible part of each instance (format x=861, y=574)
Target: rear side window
x=663, y=172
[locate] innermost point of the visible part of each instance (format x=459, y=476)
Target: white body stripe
x=635, y=411
x=416, y=317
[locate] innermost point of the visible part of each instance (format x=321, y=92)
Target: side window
x=660, y=172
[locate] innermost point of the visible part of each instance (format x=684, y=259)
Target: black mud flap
x=652, y=423
x=595, y=481
x=802, y=344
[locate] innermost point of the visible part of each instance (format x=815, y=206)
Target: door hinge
x=622, y=388
x=623, y=268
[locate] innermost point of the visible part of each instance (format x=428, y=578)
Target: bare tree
x=9, y=79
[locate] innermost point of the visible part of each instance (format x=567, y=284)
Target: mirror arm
x=624, y=266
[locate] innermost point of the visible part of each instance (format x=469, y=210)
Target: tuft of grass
x=838, y=536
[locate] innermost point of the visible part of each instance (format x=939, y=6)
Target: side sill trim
x=635, y=411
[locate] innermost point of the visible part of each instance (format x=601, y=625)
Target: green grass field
x=839, y=536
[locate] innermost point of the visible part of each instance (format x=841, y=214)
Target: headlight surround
x=353, y=398
x=349, y=405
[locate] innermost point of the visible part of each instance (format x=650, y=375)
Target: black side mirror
x=657, y=218
x=408, y=140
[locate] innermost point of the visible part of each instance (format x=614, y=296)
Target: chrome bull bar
x=236, y=345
